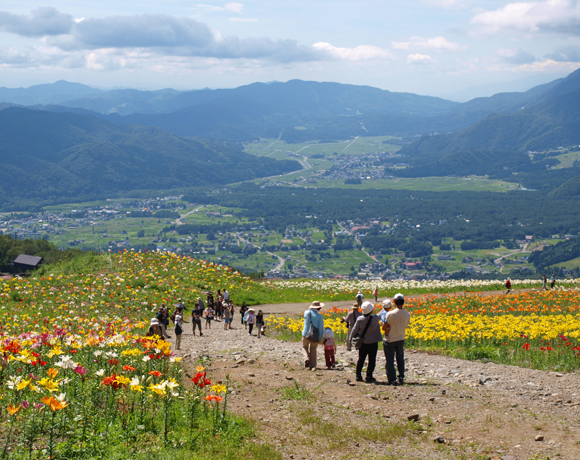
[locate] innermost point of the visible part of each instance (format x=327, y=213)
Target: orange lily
x=54, y=403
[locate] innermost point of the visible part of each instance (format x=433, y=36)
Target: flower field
x=329, y=290
x=79, y=379
x=539, y=329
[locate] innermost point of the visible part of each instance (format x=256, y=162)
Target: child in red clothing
x=329, y=347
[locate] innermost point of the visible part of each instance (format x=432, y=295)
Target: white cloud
x=235, y=7
x=159, y=34
x=244, y=20
x=554, y=16
x=515, y=56
x=420, y=59
x=565, y=54
x=42, y=21
x=447, y=4
x=548, y=66
x=436, y=43
x=358, y=53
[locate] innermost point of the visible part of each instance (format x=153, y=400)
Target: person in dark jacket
x=368, y=344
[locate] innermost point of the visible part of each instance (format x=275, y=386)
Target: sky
x=447, y=48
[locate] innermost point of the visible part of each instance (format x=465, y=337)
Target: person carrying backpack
x=366, y=335
x=312, y=333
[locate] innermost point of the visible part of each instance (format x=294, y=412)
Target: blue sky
x=435, y=47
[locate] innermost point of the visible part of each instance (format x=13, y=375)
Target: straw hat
x=316, y=305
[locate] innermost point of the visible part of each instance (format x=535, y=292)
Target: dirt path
x=465, y=410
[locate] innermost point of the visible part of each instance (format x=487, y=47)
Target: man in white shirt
x=396, y=322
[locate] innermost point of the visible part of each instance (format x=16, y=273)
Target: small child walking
x=329, y=347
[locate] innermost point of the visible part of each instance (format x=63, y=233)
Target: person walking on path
x=544, y=282
x=196, y=320
x=312, y=333
x=181, y=305
x=259, y=322
x=250, y=320
x=243, y=310
x=329, y=348
x=396, y=323
x=350, y=319
x=163, y=320
x=376, y=294
x=230, y=306
x=508, y=286
x=178, y=331
x=227, y=317
x=552, y=281
x=359, y=298
x=208, y=312
x=368, y=330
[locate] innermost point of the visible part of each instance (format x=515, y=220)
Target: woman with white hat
x=250, y=320
x=367, y=331
x=312, y=333
x=155, y=329
x=178, y=330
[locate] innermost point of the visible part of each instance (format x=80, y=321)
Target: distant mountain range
x=76, y=140
x=47, y=157
x=295, y=111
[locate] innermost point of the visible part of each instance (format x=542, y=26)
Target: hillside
x=48, y=156
x=554, y=120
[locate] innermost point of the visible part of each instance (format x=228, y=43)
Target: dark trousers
x=250, y=327
x=395, y=350
x=370, y=350
x=196, y=323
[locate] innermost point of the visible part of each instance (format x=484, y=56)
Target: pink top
x=329, y=344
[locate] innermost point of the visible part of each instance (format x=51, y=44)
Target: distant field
x=567, y=160
x=323, y=157
x=277, y=149
x=435, y=184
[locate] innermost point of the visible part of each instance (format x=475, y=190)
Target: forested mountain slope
x=47, y=156
x=550, y=123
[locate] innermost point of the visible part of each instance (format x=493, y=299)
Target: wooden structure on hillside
x=24, y=263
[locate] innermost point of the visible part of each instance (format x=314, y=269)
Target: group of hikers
x=365, y=331
x=218, y=308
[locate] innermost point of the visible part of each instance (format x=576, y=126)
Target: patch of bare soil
x=448, y=408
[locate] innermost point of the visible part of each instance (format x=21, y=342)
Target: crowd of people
x=365, y=330
x=219, y=308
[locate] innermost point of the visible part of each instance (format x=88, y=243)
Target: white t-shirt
x=398, y=319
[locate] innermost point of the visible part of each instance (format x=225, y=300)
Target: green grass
x=435, y=184
x=567, y=160
x=297, y=392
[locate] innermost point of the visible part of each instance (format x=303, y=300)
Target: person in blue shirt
x=312, y=333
